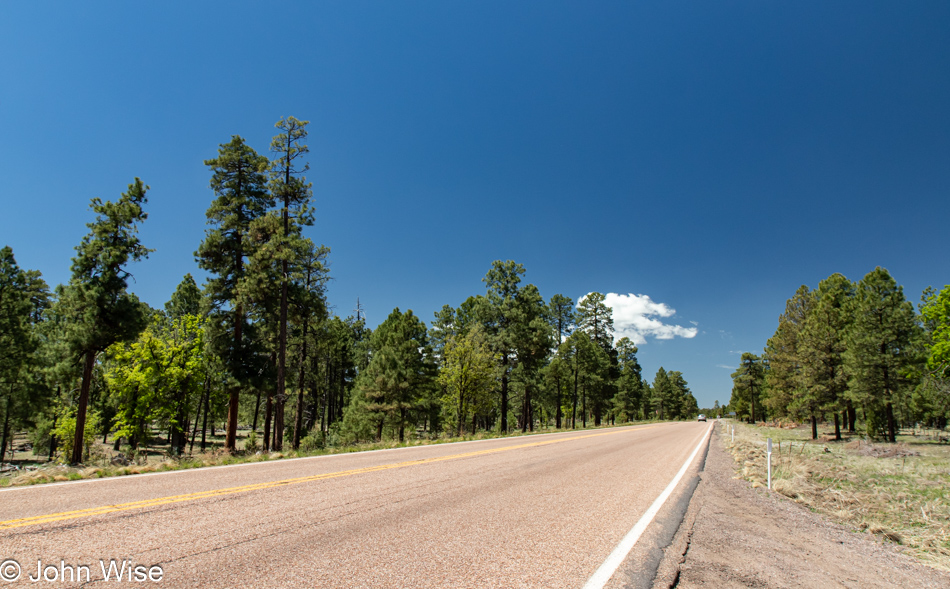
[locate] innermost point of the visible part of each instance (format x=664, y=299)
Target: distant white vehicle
x=701, y=417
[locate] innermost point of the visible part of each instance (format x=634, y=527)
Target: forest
x=853, y=352
x=256, y=347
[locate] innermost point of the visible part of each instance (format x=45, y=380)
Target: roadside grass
x=34, y=471
x=898, y=492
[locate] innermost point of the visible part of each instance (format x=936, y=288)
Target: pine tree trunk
x=891, y=425
x=281, y=396
x=837, y=428
x=298, y=422
x=852, y=418
x=525, y=403
x=504, y=394
x=6, y=426
x=88, y=364
x=557, y=413
x=52, y=436
x=814, y=427
x=279, y=423
x=752, y=397
x=530, y=416
x=461, y=417
x=574, y=408
x=268, y=409
x=204, y=422
x=267, y=419
x=257, y=410
x=194, y=432
x=342, y=404
x=584, y=406
x=230, y=440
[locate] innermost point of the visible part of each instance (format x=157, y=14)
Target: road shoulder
x=735, y=536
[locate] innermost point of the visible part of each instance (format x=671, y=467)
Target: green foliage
x=158, y=378
x=65, y=432
x=467, y=374
x=935, y=311
x=313, y=442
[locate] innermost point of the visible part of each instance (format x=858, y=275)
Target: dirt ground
x=737, y=536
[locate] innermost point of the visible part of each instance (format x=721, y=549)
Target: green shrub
x=65, y=432
x=250, y=444
x=312, y=442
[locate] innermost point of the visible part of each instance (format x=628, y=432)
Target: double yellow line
x=80, y=513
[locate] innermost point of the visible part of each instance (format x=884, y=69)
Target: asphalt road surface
x=534, y=511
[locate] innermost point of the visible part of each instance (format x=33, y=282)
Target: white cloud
x=637, y=317
x=725, y=366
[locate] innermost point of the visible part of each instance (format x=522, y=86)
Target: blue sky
x=709, y=156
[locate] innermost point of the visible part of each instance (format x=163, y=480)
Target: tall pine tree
x=239, y=182
x=883, y=345
x=101, y=311
x=293, y=194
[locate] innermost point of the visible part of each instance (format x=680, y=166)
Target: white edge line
x=276, y=461
x=603, y=574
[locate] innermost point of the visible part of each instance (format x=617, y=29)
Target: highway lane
x=535, y=511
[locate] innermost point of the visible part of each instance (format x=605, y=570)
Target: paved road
x=536, y=511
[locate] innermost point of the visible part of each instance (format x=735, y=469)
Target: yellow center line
x=91, y=511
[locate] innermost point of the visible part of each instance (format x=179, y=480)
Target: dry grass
x=899, y=492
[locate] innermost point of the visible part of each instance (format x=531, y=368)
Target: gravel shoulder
x=737, y=536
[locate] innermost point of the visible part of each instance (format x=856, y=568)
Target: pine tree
x=399, y=373
x=596, y=318
x=589, y=365
x=821, y=348
x=499, y=311
x=293, y=193
x=101, y=311
x=662, y=394
x=748, y=383
x=308, y=298
x=186, y=300
x=685, y=403
x=629, y=398
x=23, y=297
x=561, y=314
x=784, y=379
x=239, y=182
x=883, y=346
